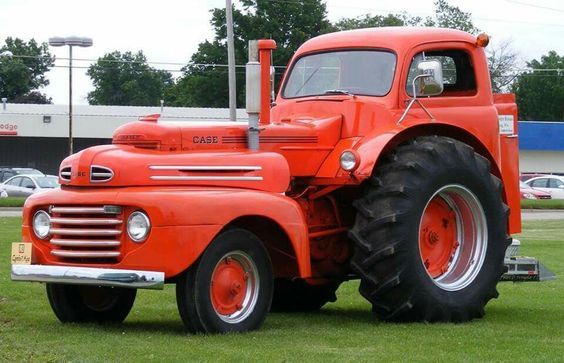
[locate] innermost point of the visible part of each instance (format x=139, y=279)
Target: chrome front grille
x=100, y=174
x=65, y=173
x=86, y=234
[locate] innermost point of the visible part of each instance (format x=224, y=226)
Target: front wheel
x=80, y=304
x=230, y=288
x=431, y=233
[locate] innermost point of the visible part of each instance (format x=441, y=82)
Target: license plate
x=21, y=253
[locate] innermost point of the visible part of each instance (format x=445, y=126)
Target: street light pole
x=70, y=41
x=70, y=101
x=231, y=62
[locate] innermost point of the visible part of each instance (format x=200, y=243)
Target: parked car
x=552, y=184
x=529, y=193
x=8, y=172
x=26, y=185
x=526, y=176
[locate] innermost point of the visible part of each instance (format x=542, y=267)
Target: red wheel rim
x=453, y=237
x=234, y=287
x=438, y=236
x=228, y=286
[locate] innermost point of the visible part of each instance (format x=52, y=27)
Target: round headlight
x=349, y=160
x=138, y=226
x=41, y=224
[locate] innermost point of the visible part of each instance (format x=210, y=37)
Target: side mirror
x=561, y=187
x=429, y=81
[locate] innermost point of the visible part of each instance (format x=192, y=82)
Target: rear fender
x=372, y=147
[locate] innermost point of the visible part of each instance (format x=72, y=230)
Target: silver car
x=26, y=185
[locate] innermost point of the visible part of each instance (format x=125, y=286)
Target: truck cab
x=384, y=157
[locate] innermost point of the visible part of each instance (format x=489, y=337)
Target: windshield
x=522, y=185
x=47, y=181
x=360, y=72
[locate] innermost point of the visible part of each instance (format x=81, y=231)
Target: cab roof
x=395, y=38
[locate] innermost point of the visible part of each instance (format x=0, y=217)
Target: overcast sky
x=170, y=30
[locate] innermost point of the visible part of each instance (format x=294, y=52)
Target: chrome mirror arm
x=415, y=100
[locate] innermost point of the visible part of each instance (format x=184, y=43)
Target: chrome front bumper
x=133, y=279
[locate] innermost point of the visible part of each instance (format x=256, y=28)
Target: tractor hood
x=203, y=153
x=127, y=165
x=180, y=135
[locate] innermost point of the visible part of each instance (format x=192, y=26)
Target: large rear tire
x=230, y=288
x=430, y=233
x=81, y=304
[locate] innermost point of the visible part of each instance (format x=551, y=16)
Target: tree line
x=127, y=78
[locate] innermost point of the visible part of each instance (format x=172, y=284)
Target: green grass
x=12, y=202
x=542, y=204
x=526, y=323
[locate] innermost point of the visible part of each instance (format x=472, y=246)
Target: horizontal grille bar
x=87, y=221
x=207, y=178
x=84, y=243
x=85, y=232
x=78, y=210
x=85, y=254
x=206, y=167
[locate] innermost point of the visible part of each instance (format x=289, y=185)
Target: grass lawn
x=542, y=204
x=526, y=323
x=12, y=202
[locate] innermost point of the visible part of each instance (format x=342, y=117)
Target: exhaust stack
x=253, y=95
x=259, y=85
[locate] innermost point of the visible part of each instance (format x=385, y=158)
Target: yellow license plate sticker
x=21, y=253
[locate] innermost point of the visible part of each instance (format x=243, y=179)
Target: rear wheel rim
x=453, y=237
x=234, y=287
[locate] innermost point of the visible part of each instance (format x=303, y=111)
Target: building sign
x=8, y=129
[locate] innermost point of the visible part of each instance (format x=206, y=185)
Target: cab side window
x=539, y=183
x=554, y=183
x=27, y=183
x=15, y=182
x=459, y=77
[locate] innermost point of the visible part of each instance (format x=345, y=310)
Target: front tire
x=230, y=288
x=81, y=304
x=430, y=233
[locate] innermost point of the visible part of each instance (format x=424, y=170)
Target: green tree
x=23, y=73
x=448, y=16
x=376, y=21
x=540, y=92
x=288, y=22
x=126, y=79
x=445, y=16
x=502, y=61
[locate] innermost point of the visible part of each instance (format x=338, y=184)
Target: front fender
x=184, y=222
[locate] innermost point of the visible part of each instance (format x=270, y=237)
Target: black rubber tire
x=82, y=304
x=193, y=294
x=386, y=232
x=298, y=295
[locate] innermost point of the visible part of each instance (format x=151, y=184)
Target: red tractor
x=384, y=157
